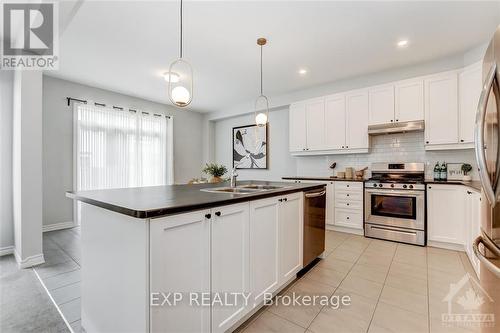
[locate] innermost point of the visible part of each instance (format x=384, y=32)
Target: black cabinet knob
x=347, y=146
x=426, y=141
x=208, y=216
x=348, y=217
x=218, y=214
x=347, y=194
x=392, y=120
x=397, y=119
x=280, y=200
x=285, y=199
x=461, y=140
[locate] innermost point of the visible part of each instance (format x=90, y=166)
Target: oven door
x=398, y=208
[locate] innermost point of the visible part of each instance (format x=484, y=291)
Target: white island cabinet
x=166, y=274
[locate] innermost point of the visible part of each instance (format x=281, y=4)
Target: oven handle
x=395, y=230
x=395, y=192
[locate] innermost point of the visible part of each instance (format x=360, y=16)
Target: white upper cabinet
x=357, y=120
x=469, y=85
x=381, y=105
x=441, y=109
x=315, y=124
x=297, y=121
x=409, y=100
x=335, y=120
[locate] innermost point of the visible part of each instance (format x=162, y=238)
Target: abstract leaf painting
x=250, y=147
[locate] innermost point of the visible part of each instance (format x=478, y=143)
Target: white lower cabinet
x=230, y=262
x=253, y=247
x=445, y=213
x=291, y=225
x=349, y=204
x=472, y=227
x=180, y=262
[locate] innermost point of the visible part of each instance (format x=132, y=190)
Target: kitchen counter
x=324, y=179
x=475, y=184
x=156, y=201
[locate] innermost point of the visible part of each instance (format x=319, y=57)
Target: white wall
x=58, y=140
x=6, y=216
x=280, y=162
x=27, y=167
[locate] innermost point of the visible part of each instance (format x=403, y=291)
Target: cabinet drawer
x=349, y=195
x=347, y=204
x=343, y=186
x=349, y=218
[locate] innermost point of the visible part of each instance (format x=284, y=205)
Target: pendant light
x=261, y=114
x=180, y=91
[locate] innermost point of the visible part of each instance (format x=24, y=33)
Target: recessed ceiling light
x=302, y=71
x=173, y=77
x=403, y=43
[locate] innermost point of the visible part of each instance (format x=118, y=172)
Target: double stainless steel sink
x=242, y=189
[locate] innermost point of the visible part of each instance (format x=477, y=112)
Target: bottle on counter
x=444, y=172
x=437, y=171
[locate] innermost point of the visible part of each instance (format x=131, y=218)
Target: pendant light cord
x=261, y=84
x=180, y=42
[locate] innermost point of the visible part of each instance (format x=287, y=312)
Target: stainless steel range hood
x=409, y=126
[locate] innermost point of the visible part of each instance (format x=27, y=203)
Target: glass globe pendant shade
x=181, y=92
x=261, y=110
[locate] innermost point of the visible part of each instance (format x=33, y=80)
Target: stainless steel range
x=395, y=203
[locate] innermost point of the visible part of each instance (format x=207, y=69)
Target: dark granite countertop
x=156, y=201
x=474, y=184
x=324, y=179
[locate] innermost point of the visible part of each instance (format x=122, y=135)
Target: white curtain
x=119, y=148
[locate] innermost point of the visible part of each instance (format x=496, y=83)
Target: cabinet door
x=315, y=122
x=469, y=84
x=297, y=127
x=230, y=262
x=441, y=109
x=180, y=244
x=445, y=213
x=381, y=105
x=357, y=120
x=291, y=236
x=264, y=252
x=409, y=100
x=335, y=121
x=330, y=203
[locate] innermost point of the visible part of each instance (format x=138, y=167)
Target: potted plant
x=466, y=168
x=216, y=171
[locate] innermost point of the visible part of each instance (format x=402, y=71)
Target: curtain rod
x=69, y=99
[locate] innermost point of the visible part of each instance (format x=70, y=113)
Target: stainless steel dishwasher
x=314, y=224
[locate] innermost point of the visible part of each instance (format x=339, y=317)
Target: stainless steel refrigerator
x=487, y=134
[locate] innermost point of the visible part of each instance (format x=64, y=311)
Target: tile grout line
x=54, y=302
x=383, y=286
x=350, y=269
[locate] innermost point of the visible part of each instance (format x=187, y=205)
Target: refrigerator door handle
x=491, y=247
x=479, y=137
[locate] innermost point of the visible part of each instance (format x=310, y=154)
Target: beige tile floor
x=393, y=288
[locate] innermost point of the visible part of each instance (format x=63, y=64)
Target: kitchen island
x=187, y=257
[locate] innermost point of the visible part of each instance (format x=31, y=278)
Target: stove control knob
x=380, y=185
x=392, y=185
x=404, y=186
x=411, y=186
x=374, y=185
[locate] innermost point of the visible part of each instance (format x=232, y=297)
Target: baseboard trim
x=446, y=246
x=6, y=250
x=58, y=226
x=30, y=261
x=345, y=230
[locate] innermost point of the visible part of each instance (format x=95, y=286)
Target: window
x=117, y=149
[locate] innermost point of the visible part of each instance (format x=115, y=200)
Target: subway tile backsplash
x=401, y=147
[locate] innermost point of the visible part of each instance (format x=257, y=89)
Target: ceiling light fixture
x=403, y=43
x=171, y=76
x=302, y=71
x=261, y=115
x=180, y=92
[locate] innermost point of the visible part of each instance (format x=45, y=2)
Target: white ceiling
x=124, y=46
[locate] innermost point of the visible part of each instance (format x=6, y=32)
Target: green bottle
x=444, y=171
x=437, y=171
